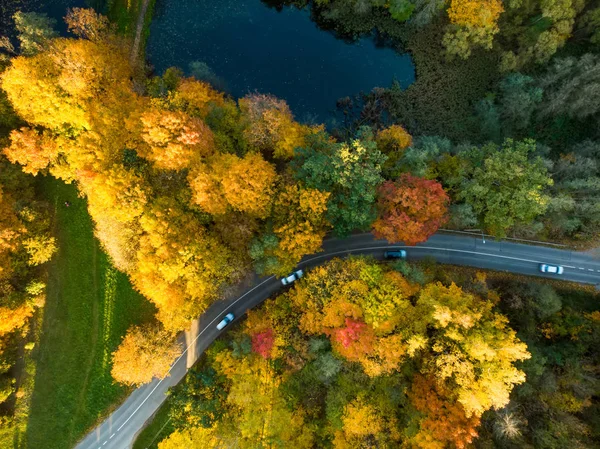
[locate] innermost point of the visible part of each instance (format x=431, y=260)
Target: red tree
x=410, y=209
x=262, y=343
x=354, y=341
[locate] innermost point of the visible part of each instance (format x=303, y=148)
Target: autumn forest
x=133, y=201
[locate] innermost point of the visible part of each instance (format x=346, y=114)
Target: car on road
x=292, y=277
x=551, y=269
x=225, y=321
x=396, y=254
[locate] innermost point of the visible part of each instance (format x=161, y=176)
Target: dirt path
x=135, y=48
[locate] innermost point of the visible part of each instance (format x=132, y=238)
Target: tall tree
x=506, y=186
x=145, y=353
x=350, y=171
x=410, y=209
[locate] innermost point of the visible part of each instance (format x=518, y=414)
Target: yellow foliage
x=475, y=13
x=34, y=151
x=143, y=354
x=245, y=184
x=174, y=139
x=14, y=319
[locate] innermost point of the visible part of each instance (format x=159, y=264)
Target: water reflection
x=243, y=46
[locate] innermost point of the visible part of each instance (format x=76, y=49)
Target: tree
x=33, y=150
x=174, y=139
x=34, y=31
x=507, y=187
x=572, y=87
x=392, y=142
x=350, y=171
x=244, y=184
x=474, y=23
x=443, y=421
x=410, y=210
x=40, y=249
x=298, y=228
x=472, y=350
x=271, y=126
x=87, y=23
x=262, y=343
x=145, y=352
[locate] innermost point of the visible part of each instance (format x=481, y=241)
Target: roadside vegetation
x=361, y=354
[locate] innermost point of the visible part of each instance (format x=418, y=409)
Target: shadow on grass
x=89, y=307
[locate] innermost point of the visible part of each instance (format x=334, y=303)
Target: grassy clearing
x=89, y=307
x=159, y=428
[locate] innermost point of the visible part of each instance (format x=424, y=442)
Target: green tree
x=506, y=186
x=350, y=171
x=35, y=31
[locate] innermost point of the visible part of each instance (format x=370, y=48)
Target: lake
x=243, y=46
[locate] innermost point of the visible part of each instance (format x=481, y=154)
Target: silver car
x=551, y=269
x=292, y=277
x=225, y=321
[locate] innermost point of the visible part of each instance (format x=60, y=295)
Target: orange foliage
x=444, y=422
x=33, y=150
x=410, y=209
x=175, y=139
x=354, y=341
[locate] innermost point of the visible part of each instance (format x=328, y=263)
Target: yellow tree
x=32, y=149
x=271, y=126
x=299, y=223
x=145, y=353
x=245, y=184
x=174, y=139
x=471, y=347
x=473, y=23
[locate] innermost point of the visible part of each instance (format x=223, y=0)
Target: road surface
x=119, y=430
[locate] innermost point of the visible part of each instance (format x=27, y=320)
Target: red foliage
x=349, y=334
x=410, y=209
x=354, y=341
x=262, y=343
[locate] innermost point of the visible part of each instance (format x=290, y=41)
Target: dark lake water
x=57, y=9
x=244, y=46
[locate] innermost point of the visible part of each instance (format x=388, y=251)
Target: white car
x=225, y=321
x=292, y=277
x=552, y=269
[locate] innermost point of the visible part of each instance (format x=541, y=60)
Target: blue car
x=225, y=321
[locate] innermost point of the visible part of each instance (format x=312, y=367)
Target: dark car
x=396, y=254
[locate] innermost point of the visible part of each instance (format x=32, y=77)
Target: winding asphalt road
x=119, y=430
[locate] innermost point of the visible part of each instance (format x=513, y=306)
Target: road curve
x=119, y=430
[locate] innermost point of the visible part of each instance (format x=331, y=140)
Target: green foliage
x=34, y=31
x=506, y=187
x=350, y=171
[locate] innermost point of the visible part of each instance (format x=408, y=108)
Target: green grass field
x=89, y=307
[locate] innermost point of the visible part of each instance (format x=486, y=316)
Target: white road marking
x=189, y=346
x=430, y=247
x=112, y=436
